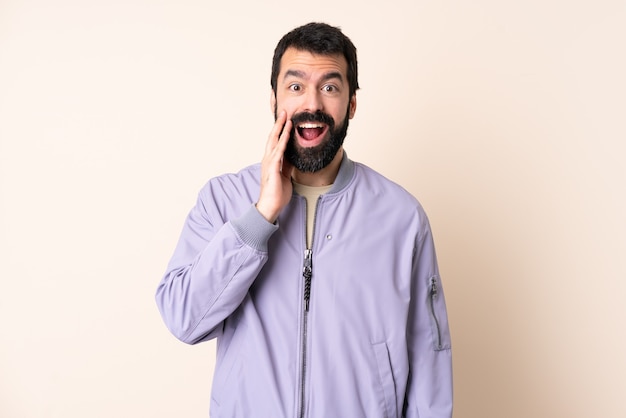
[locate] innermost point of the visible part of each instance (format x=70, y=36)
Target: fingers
x=275, y=171
x=279, y=126
x=276, y=145
x=284, y=137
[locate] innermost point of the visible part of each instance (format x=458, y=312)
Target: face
x=313, y=89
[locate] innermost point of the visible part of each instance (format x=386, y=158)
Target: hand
x=276, y=185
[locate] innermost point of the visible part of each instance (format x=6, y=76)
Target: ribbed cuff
x=254, y=229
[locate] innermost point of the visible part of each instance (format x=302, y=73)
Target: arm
x=216, y=259
x=210, y=272
x=429, y=390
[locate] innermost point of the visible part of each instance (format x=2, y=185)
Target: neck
x=324, y=177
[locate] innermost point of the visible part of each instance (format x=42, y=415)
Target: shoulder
x=387, y=200
x=371, y=182
x=231, y=193
x=388, y=195
x=245, y=178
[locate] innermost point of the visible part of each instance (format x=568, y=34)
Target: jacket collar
x=344, y=175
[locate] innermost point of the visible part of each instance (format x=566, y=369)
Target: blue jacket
x=355, y=328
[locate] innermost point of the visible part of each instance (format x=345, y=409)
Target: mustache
x=318, y=116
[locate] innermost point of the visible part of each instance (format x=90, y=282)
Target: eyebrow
x=301, y=74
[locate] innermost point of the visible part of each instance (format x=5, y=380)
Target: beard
x=313, y=159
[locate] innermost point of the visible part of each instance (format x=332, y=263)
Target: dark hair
x=321, y=39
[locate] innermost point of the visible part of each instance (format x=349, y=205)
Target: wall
x=506, y=120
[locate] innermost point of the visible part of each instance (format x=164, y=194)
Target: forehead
x=311, y=64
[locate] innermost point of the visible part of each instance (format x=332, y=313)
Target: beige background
x=505, y=118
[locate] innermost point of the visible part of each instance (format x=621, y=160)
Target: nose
x=313, y=101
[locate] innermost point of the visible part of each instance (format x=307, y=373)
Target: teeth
x=310, y=125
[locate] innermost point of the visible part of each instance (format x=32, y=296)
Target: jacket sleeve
x=214, y=264
x=429, y=389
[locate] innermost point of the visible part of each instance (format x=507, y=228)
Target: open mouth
x=311, y=131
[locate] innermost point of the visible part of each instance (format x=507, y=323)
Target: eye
x=329, y=88
x=295, y=87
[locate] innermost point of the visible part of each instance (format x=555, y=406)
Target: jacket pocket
x=438, y=316
x=387, y=383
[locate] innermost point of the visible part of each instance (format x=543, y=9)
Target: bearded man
x=317, y=275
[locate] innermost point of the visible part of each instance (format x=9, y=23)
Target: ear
x=272, y=101
x=352, y=107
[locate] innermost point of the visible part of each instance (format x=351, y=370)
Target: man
x=317, y=276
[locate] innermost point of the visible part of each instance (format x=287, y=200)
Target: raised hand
x=276, y=185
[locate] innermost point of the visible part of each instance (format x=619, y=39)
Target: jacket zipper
x=307, y=274
x=433, y=297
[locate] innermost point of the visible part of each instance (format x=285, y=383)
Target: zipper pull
x=433, y=296
x=307, y=273
x=433, y=287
